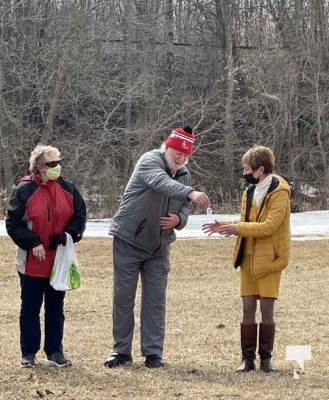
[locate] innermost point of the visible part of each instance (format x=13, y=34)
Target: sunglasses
x=53, y=164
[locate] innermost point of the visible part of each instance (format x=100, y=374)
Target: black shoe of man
x=154, y=361
x=118, y=359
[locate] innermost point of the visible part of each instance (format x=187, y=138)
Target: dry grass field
x=202, y=337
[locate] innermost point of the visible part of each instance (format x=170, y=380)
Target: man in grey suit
x=155, y=202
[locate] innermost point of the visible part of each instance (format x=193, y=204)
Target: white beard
x=172, y=165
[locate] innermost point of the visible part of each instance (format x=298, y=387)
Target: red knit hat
x=181, y=140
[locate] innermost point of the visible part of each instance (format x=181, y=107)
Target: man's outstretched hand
x=199, y=198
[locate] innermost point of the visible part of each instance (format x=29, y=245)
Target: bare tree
x=106, y=81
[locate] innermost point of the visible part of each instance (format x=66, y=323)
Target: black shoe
x=154, y=361
x=117, y=359
x=246, y=366
x=58, y=359
x=28, y=361
x=266, y=365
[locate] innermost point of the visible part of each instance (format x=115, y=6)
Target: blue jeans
x=34, y=291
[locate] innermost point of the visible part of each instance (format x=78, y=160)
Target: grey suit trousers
x=130, y=262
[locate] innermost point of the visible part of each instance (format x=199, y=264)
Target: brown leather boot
x=265, y=346
x=248, y=347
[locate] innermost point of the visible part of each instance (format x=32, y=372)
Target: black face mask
x=251, y=179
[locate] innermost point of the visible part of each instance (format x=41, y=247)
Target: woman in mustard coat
x=261, y=251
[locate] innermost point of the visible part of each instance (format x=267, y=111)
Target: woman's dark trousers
x=35, y=291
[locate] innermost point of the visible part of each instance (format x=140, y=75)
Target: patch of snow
x=305, y=225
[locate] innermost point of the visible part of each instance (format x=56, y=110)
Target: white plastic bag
x=65, y=274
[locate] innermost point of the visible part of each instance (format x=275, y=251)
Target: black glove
x=55, y=240
x=75, y=236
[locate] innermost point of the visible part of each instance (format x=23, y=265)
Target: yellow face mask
x=53, y=173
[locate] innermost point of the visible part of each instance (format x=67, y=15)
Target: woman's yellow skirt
x=267, y=286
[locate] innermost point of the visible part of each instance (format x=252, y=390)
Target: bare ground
x=202, y=337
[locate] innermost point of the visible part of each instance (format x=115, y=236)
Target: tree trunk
x=59, y=84
x=225, y=20
x=170, y=60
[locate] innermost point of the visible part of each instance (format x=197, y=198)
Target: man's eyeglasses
x=53, y=164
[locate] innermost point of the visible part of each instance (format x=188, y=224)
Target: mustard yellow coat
x=267, y=241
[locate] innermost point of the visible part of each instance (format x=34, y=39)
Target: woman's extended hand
x=227, y=229
x=222, y=227
x=210, y=227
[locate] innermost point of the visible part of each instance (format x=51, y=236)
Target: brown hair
x=259, y=156
x=36, y=158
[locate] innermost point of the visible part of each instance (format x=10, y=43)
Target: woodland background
x=106, y=80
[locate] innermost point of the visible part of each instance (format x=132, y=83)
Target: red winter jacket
x=38, y=210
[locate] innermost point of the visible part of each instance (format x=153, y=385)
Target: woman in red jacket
x=42, y=208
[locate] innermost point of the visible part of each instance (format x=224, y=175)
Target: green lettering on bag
x=74, y=278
